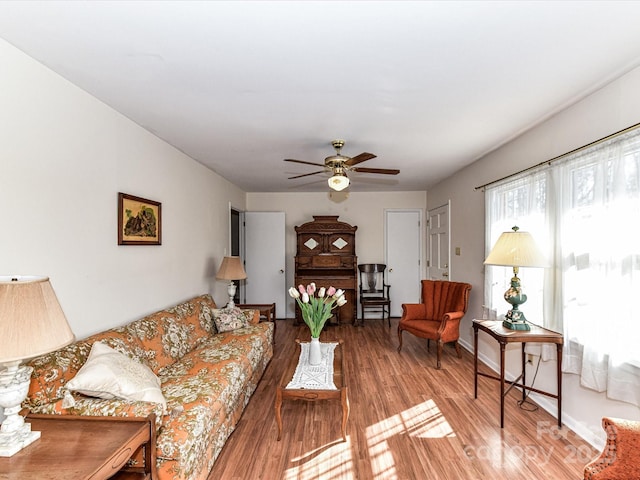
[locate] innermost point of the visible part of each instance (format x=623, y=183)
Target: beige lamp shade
x=231, y=269
x=516, y=249
x=31, y=320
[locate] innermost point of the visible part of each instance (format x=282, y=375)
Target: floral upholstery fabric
x=206, y=377
x=227, y=319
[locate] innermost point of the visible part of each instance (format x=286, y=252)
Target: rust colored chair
x=438, y=316
x=620, y=458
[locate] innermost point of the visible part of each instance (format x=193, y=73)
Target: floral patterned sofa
x=206, y=377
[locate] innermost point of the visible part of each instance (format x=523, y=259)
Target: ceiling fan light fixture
x=338, y=182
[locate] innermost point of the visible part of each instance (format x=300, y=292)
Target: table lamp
x=516, y=249
x=231, y=269
x=31, y=324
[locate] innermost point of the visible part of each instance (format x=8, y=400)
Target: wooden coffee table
x=83, y=447
x=312, y=395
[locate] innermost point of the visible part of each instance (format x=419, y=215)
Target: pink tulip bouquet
x=317, y=309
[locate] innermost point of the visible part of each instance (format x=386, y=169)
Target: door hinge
x=428, y=263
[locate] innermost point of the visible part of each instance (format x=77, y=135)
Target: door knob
x=281, y=271
x=445, y=274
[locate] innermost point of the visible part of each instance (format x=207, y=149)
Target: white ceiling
x=428, y=87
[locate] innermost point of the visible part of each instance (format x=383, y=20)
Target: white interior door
x=264, y=237
x=403, y=245
x=439, y=250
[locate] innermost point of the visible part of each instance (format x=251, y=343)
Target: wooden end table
x=84, y=447
x=312, y=395
x=504, y=335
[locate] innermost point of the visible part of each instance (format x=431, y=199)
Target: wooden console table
x=311, y=395
x=83, y=447
x=504, y=335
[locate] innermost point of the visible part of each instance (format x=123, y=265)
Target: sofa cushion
x=167, y=335
x=109, y=374
x=52, y=371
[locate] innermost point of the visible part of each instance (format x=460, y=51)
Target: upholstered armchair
x=620, y=458
x=438, y=316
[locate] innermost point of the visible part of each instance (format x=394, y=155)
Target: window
x=585, y=212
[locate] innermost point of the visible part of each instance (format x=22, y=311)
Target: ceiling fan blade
x=360, y=158
x=302, y=161
x=384, y=171
x=306, y=175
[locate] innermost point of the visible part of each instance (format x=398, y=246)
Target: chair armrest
x=412, y=311
x=452, y=316
x=450, y=325
x=620, y=456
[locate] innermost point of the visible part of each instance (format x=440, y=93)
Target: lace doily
x=314, y=377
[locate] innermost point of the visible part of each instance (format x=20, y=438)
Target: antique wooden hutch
x=326, y=255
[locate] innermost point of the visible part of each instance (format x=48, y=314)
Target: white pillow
x=108, y=374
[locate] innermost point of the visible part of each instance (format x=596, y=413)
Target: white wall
x=364, y=210
x=64, y=156
x=609, y=110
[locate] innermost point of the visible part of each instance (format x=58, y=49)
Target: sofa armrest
x=620, y=457
x=255, y=319
x=413, y=311
x=97, y=407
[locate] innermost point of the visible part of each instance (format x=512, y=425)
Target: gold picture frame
x=139, y=221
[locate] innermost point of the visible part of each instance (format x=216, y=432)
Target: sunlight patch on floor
x=335, y=460
x=424, y=420
x=328, y=462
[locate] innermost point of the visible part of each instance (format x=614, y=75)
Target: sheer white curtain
x=600, y=246
x=585, y=213
x=521, y=202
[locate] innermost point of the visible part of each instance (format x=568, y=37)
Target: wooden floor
x=408, y=421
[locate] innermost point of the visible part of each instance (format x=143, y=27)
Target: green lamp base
x=515, y=325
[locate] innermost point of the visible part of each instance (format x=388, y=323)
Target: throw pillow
x=228, y=319
x=108, y=374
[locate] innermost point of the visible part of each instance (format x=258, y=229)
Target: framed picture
x=139, y=221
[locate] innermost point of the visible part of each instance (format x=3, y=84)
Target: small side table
x=504, y=335
x=267, y=311
x=312, y=395
x=84, y=447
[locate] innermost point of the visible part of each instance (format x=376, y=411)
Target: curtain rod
x=548, y=162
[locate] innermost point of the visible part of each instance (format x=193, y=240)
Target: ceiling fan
x=338, y=165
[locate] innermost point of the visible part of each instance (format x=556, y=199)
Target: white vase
x=315, y=356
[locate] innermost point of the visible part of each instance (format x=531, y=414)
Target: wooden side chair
x=438, y=316
x=374, y=290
